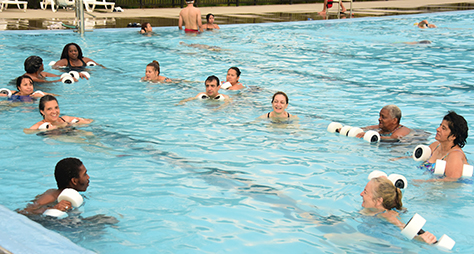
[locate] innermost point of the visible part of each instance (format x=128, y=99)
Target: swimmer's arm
x=188, y=99
x=180, y=21
x=227, y=101
x=69, y=119
x=199, y=21
x=216, y=26
x=402, y=132
x=47, y=74
x=454, y=165
x=39, y=205
x=60, y=63
x=86, y=59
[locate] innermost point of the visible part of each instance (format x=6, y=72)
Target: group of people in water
x=381, y=197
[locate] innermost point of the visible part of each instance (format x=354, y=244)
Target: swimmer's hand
x=360, y=135
x=82, y=76
x=63, y=206
x=426, y=237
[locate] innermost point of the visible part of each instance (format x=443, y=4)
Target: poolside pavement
x=366, y=8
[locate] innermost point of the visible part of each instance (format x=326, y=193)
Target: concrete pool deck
x=243, y=14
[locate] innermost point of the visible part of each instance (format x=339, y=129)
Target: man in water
x=212, y=92
x=69, y=173
x=389, y=126
x=191, y=16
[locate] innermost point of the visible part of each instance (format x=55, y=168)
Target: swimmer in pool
x=152, y=73
x=191, y=16
x=381, y=198
x=232, y=78
x=424, y=24
x=69, y=173
x=212, y=92
x=26, y=90
x=72, y=58
x=35, y=69
x=450, y=138
x=201, y=46
x=389, y=126
x=279, y=104
x=49, y=109
x=419, y=42
x=146, y=28
x=210, y=23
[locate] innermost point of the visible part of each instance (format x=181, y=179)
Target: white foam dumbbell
x=440, y=168
x=6, y=91
x=70, y=195
x=421, y=153
x=372, y=136
x=414, y=228
x=334, y=127
x=66, y=78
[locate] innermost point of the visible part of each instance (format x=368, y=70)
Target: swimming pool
x=190, y=179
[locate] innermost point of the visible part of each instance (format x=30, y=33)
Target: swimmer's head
x=424, y=42
x=65, y=53
x=33, y=64
x=423, y=24
x=394, y=112
x=44, y=100
x=155, y=66
x=208, y=16
x=146, y=27
x=282, y=93
x=458, y=126
x=21, y=79
x=65, y=170
x=391, y=195
x=213, y=85
x=236, y=70
x=189, y=1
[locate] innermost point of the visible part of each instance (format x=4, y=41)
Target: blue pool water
x=192, y=179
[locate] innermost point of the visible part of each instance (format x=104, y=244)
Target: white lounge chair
x=339, y=7
x=91, y=4
x=4, y=4
x=55, y=4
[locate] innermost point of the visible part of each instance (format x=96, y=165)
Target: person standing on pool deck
x=328, y=4
x=69, y=173
x=191, y=16
x=212, y=92
x=389, y=126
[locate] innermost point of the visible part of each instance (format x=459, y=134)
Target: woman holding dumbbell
x=381, y=198
x=49, y=109
x=72, y=58
x=450, y=138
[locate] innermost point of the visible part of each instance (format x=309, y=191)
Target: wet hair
x=155, y=66
x=65, y=55
x=20, y=78
x=391, y=195
x=144, y=25
x=33, y=64
x=65, y=170
x=43, y=101
x=235, y=69
x=282, y=93
x=394, y=112
x=212, y=78
x=208, y=16
x=458, y=126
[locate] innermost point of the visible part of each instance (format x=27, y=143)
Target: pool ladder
x=80, y=16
